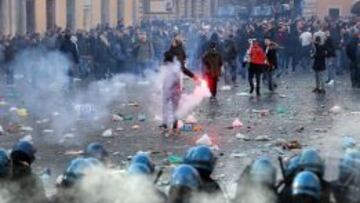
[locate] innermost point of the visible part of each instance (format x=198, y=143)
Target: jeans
x=243, y=70
x=330, y=66
x=230, y=72
x=269, y=77
x=9, y=71
x=319, y=78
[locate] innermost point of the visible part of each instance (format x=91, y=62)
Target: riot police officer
x=306, y=188
x=25, y=185
x=346, y=188
x=310, y=160
x=185, y=182
x=98, y=151
x=258, y=181
x=203, y=160
x=69, y=186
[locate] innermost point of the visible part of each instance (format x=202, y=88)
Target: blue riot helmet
x=310, y=160
x=185, y=180
x=4, y=163
x=263, y=172
x=349, y=168
x=97, y=151
x=292, y=166
x=185, y=176
x=202, y=158
x=77, y=169
x=23, y=151
x=139, y=169
x=143, y=158
x=306, y=186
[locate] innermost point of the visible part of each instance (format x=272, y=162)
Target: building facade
x=22, y=16
x=179, y=9
x=324, y=8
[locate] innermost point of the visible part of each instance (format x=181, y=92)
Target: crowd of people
x=92, y=177
x=289, y=45
x=260, y=49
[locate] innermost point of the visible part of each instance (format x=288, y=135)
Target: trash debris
x=135, y=127
x=242, y=137
x=300, y=129
x=142, y=117
x=74, y=152
x=2, y=132
x=237, y=123
x=143, y=83
x=107, y=133
x=128, y=118
x=3, y=103
x=116, y=118
x=204, y=140
x=263, y=138
x=42, y=121
x=157, y=118
x=22, y=112
x=48, y=131
x=262, y=112
x=288, y=145
x=56, y=114
x=348, y=142
x=281, y=109
x=133, y=104
x=119, y=129
x=26, y=128
x=13, y=109
x=187, y=127
x=320, y=130
x=69, y=136
x=175, y=160
x=335, y=110
x=191, y=119
x=238, y=155
x=225, y=88
x=243, y=94
x=27, y=138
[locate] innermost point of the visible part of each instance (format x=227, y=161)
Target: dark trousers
x=230, y=72
x=212, y=84
x=269, y=77
x=355, y=74
x=255, y=71
x=9, y=71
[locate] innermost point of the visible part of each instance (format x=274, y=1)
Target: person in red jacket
x=257, y=60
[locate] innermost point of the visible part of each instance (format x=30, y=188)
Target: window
x=87, y=14
x=30, y=16
x=70, y=14
x=334, y=12
x=50, y=14
x=104, y=12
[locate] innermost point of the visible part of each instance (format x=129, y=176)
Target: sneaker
x=251, y=90
x=330, y=83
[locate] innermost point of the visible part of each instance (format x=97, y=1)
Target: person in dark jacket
x=271, y=54
x=230, y=56
x=9, y=56
x=212, y=62
x=330, y=57
x=70, y=49
x=319, y=66
x=353, y=52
